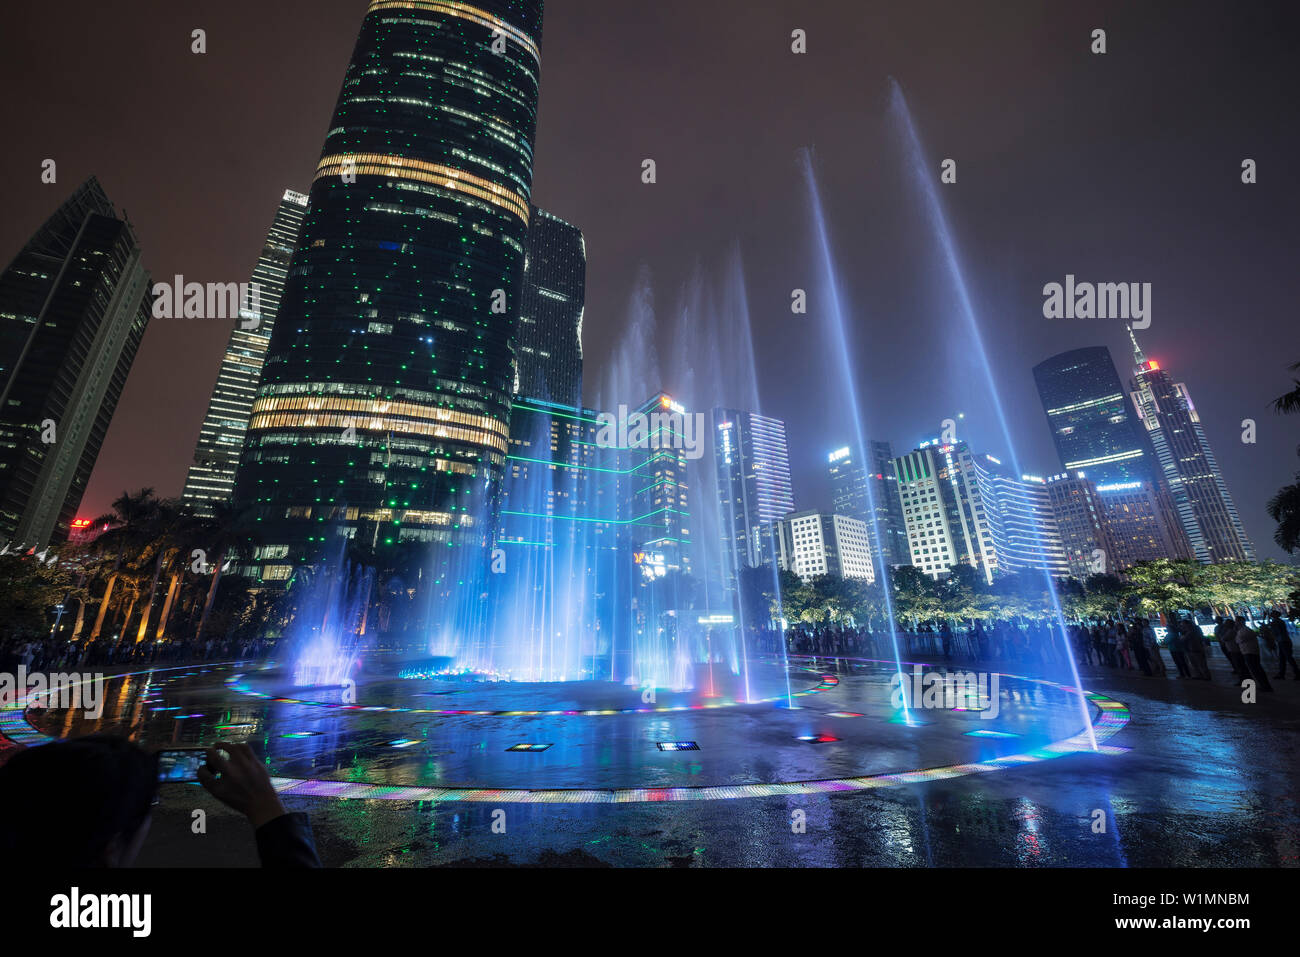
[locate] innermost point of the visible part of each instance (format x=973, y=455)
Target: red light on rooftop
x=1153, y=365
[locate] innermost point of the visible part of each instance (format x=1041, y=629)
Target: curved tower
x=383, y=413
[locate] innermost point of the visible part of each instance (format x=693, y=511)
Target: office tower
x=1097, y=433
x=211, y=477
x=1092, y=422
x=814, y=543
x=548, y=345
x=752, y=463
x=657, y=510
x=1190, y=469
x=383, y=414
x=1080, y=514
x=1136, y=527
x=849, y=492
x=74, y=305
x=960, y=508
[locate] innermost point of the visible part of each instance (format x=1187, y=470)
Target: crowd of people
x=1129, y=644
x=61, y=655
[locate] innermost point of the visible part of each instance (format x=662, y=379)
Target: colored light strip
x=422, y=171
x=465, y=12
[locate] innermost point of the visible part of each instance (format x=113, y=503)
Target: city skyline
x=1187, y=333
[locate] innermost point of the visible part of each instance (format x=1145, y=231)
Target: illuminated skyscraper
x=960, y=508
x=1098, y=435
x=74, y=305
x=1190, y=469
x=752, y=463
x=383, y=414
x=548, y=345
x=1092, y=422
x=211, y=476
x=849, y=492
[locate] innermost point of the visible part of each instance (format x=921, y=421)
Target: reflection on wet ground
x=1207, y=780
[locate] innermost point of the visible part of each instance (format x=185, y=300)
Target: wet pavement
x=1205, y=779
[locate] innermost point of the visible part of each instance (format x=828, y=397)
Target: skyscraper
x=1081, y=520
x=548, y=345
x=1136, y=527
x=1190, y=469
x=851, y=496
x=752, y=462
x=74, y=305
x=383, y=414
x=960, y=508
x=211, y=477
x=1092, y=422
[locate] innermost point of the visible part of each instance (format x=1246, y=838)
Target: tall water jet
x=330, y=631
x=917, y=166
x=839, y=334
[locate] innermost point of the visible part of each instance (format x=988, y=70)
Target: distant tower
x=1092, y=422
x=1200, y=494
x=548, y=345
x=850, y=496
x=211, y=478
x=752, y=463
x=74, y=305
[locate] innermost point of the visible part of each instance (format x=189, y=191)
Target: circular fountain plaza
x=803, y=727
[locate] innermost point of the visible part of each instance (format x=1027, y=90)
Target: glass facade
x=752, y=462
x=850, y=496
x=1091, y=420
x=211, y=477
x=383, y=414
x=1205, y=507
x=74, y=306
x=549, y=341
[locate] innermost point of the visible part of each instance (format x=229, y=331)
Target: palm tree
x=1284, y=508
x=1291, y=401
x=228, y=535
x=130, y=516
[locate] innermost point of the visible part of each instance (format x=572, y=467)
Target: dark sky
x=1122, y=167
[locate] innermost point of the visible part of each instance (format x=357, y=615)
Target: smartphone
x=181, y=765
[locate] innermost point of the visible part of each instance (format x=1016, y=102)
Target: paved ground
x=1208, y=780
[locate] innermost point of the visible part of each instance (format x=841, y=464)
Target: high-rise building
x=960, y=508
x=1205, y=507
x=812, y=544
x=211, y=477
x=752, y=462
x=1098, y=435
x=74, y=305
x=1091, y=419
x=1080, y=514
x=856, y=488
x=1135, y=525
x=656, y=503
x=383, y=414
x=548, y=345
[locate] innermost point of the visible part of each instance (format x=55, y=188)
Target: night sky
x=1121, y=167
